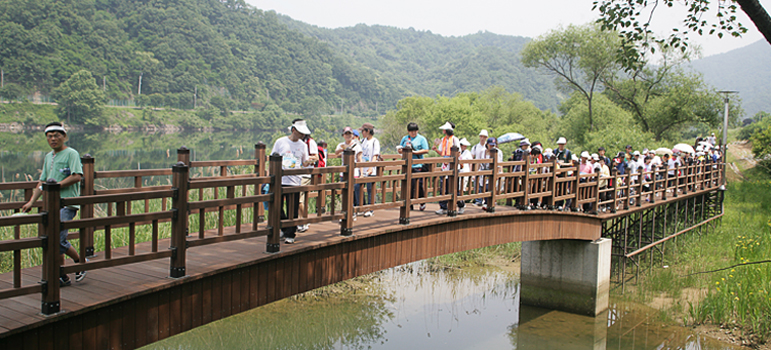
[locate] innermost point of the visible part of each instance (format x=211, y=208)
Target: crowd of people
x=299, y=150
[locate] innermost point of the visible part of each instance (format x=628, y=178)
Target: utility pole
x=724, y=154
x=139, y=90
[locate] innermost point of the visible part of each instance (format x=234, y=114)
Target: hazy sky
x=458, y=18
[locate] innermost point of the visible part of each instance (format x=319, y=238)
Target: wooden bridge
x=173, y=257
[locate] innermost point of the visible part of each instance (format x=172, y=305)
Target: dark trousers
x=417, y=185
x=445, y=185
x=368, y=199
x=292, y=202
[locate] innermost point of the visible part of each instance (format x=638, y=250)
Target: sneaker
x=64, y=281
x=461, y=210
x=423, y=207
x=484, y=207
x=289, y=241
x=441, y=212
x=79, y=276
x=477, y=204
x=303, y=228
x=368, y=214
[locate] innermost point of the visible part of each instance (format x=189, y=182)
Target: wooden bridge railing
x=188, y=221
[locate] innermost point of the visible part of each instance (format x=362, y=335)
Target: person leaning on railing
x=62, y=165
x=370, y=146
x=419, y=146
x=294, y=154
x=444, y=148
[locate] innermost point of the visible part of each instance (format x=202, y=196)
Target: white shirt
x=293, y=155
x=671, y=165
x=370, y=150
x=478, y=151
x=466, y=155
x=356, y=147
x=656, y=161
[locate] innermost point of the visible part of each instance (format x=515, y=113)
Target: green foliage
x=80, y=99
x=760, y=122
x=493, y=109
x=632, y=20
x=761, y=147
x=12, y=92
x=578, y=57
x=27, y=113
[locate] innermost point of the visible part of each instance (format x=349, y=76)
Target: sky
x=457, y=18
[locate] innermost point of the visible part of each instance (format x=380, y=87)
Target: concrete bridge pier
x=567, y=275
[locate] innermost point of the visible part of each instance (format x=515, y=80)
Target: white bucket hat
x=446, y=126
x=562, y=141
x=301, y=127
x=483, y=133
x=585, y=154
x=464, y=142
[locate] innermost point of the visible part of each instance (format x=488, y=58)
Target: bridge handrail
x=519, y=183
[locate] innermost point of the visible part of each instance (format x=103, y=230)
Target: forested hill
x=237, y=56
x=746, y=70
x=424, y=63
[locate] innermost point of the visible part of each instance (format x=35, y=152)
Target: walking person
x=294, y=153
x=351, y=141
x=305, y=179
x=444, y=148
x=479, y=152
x=62, y=165
x=419, y=146
x=370, y=146
x=465, y=154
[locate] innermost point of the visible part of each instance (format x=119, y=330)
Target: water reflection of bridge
x=221, y=268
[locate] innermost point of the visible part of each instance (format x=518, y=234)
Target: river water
x=413, y=307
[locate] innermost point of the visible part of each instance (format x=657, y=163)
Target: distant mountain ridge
x=424, y=63
x=747, y=70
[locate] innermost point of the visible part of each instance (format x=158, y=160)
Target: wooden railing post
x=87, y=210
x=404, y=211
x=452, y=182
x=577, y=173
x=640, y=178
x=666, y=182
x=180, y=185
x=554, y=168
x=596, y=204
x=183, y=155
x=493, y=180
x=654, y=183
x=276, y=205
x=525, y=204
x=614, y=186
x=50, y=230
x=260, y=169
x=346, y=226
x=684, y=172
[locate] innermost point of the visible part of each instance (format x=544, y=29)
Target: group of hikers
x=300, y=150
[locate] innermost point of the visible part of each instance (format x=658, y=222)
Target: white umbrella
x=509, y=137
x=663, y=150
x=682, y=147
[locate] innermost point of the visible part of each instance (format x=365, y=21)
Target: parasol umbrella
x=509, y=137
x=663, y=150
x=682, y=147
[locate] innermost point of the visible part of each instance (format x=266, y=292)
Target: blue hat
x=356, y=133
x=492, y=141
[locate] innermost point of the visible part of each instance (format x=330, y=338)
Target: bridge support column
x=566, y=275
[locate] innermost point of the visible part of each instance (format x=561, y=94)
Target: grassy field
x=720, y=277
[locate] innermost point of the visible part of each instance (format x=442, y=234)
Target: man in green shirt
x=63, y=165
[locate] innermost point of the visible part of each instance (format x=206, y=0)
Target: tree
x=578, y=56
x=761, y=148
x=80, y=99
x=632, y=18
x=12, y=92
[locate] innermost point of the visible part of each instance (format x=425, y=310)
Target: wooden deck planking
x=161, y=314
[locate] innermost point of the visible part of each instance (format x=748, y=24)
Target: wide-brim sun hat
x=524, y=142
x=585, y=154
x=464, y=142
x=446, y=126
x=483, y=133
x=574, y=157
x=561, y=141
x=301, y=127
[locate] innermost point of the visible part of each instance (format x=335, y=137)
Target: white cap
x=548, y=150
x=464, y=142
x=446, y=126
x=524, y=142
x=301, y=127
x=574, y=157
x=636, y=153
x=483, y=133
x=585, y=154
x=595, y=156
x=562, y=141
x=645, y=151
